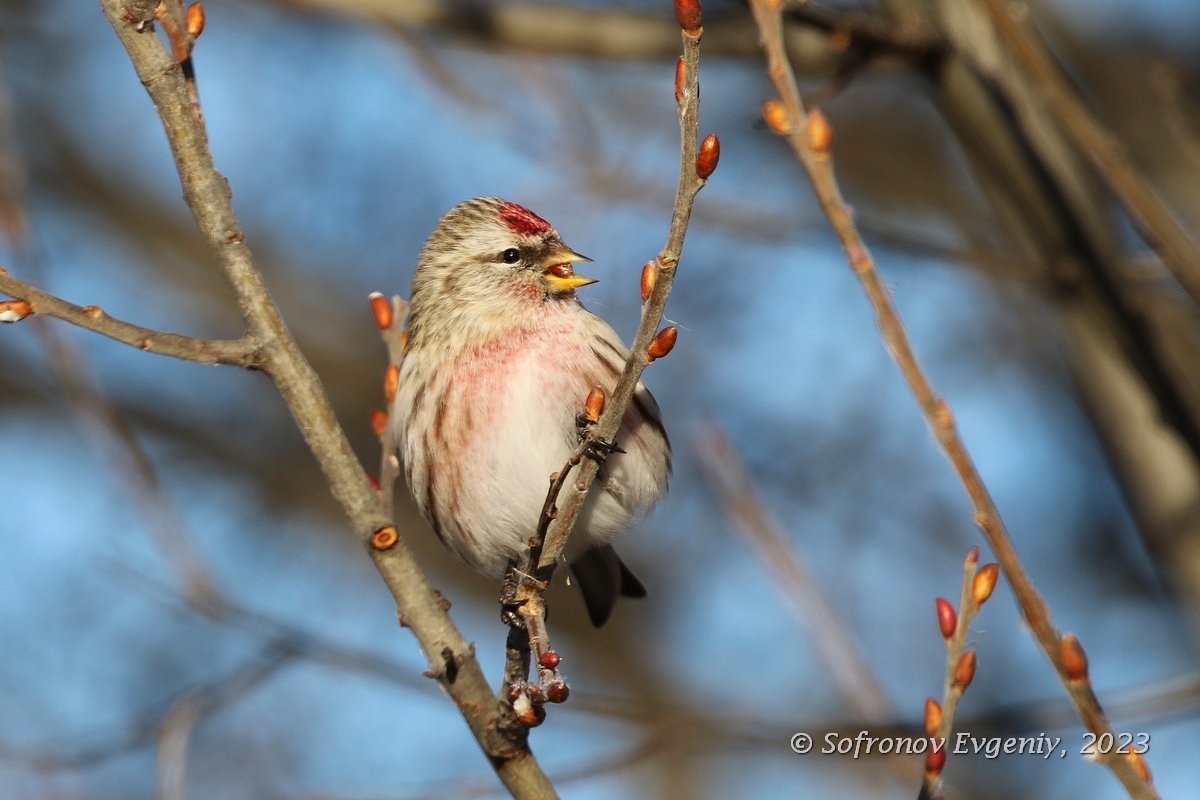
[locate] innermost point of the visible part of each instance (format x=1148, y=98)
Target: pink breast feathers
x=523, y=221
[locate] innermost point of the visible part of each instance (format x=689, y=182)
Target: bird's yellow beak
x=559, y=274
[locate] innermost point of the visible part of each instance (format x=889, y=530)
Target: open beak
x=559, y=274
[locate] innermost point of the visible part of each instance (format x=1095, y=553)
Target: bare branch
x=810, y=143
x=237, y=352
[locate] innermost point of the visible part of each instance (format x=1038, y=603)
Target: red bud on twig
x=649, y=279
x=947, y=619
x=378, y=421
x=680, y=74
x=381, y=309
x=820, y=132
x=973, y=555
x=384, y=538
x=776, y=117
x=371, y=480
x=663, y=343
x=592, y=409
x=933, y=716
x=985, y=583
x=557, y=691
x=688, y=14
x=549, y=659
x=935, y=760
x=391, y=380
x=964, y=671
x=708, y=156
x=195, y=20
x=1074, y=660
x=14, y=310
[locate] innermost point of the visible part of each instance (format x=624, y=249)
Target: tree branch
x=452, y=659
x=811, y=148
x=237, y=352
x=1153, y=220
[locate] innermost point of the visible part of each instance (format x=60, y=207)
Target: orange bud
x=663, y=343
x=378, y=421
x=403, y=341
x=688, y=14
x=381, y=309
x=649, y=279
x=594, y=406
x=680, y=75
x=95, y=312
x=384, y=538
x=195, y=20
x=708, y=156
x=933, y=716
x=935, y=760
x=973, y=555
x=14, y=310
x=964, y=671
x=776, y=117
x=820, y=132
x=391, y=379
x=985, y=583
x=1140, y=766
x=1074, y=660
x=947, y=619
x=3, y=271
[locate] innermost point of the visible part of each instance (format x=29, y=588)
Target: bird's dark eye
x=511, y=256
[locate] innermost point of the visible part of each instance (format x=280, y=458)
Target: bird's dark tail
x=602, y=578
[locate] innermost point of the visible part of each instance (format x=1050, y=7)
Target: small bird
x=501, y=356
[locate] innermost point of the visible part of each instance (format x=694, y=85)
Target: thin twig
x=537, y=575
x=977, y=586
x=853, y=677
x=451, y=657
x=937, y=412
x=237, y=352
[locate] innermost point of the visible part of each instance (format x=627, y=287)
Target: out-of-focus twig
x=853, y=677
x=810, y=137
x=1157, y=225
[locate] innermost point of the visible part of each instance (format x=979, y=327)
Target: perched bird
x=501, y=356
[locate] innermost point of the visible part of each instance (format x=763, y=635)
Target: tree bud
x=195, y=20
x=592, y=409
x=964, y=670
x=649, y=279
x=708, y=156
x=688, y=14
x=1074, y=660
x=381, y=309
x=776, y=117
x=947, y=619
x=663, y=343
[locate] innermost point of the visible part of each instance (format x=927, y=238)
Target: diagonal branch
x=452, y=658
x=809, y=138
x=690, y=183
x=238, y=352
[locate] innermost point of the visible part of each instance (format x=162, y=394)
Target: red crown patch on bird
x=523, y=221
